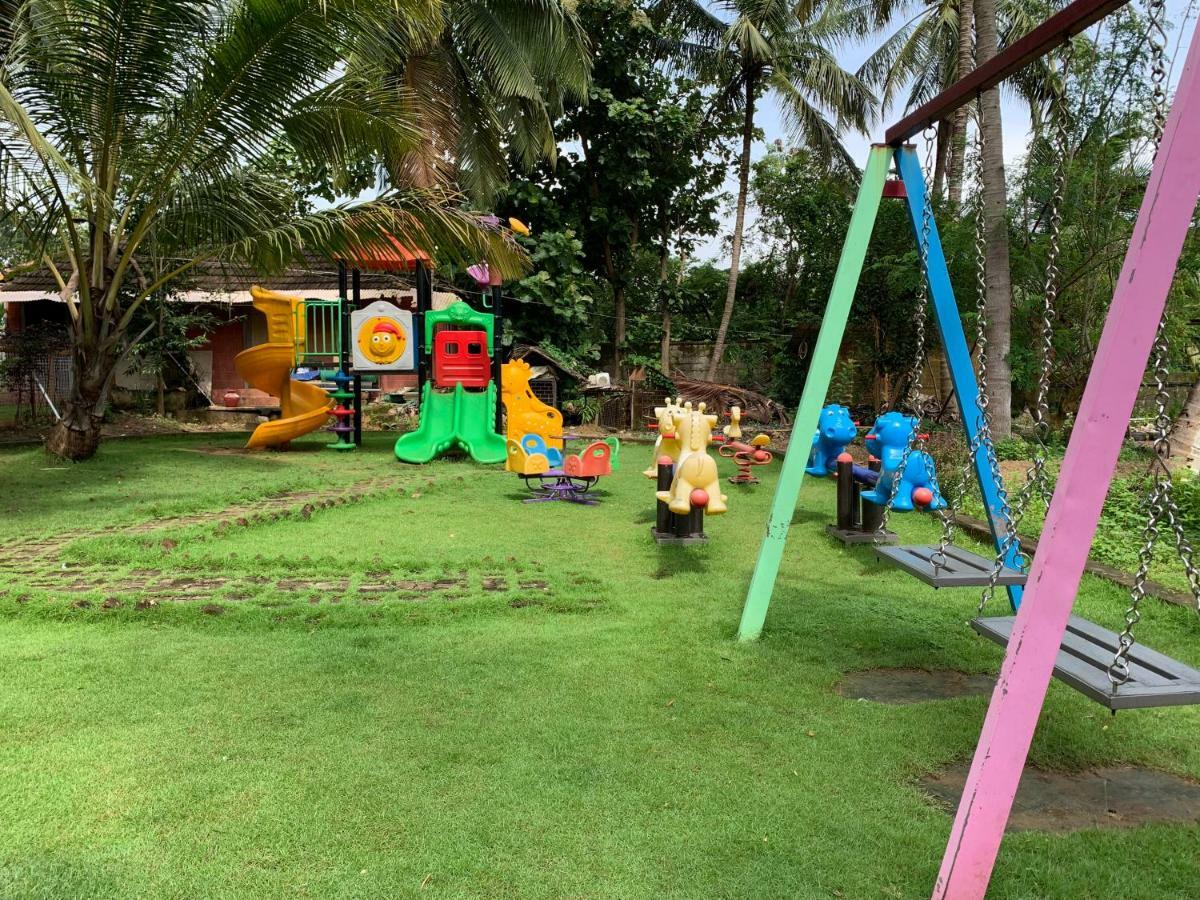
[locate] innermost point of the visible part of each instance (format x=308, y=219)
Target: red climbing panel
x=461, y=357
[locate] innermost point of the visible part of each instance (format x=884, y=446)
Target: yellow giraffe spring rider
x=690, y=485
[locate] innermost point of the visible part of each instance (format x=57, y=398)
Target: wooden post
x=1108, y=400
x=847, y=496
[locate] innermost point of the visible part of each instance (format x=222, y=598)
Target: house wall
x=12, y=316
x=225, y=342
x=392, y=383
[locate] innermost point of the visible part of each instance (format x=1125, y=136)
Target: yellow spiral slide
x=268, y=367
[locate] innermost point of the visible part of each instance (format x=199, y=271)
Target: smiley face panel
x=381, y=340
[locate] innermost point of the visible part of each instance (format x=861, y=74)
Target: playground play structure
x=746, y=456
x=455, y=353
x=1043, y=639
x=459, y=399
x=571, y=479
x=896, y=477
x=535, y=445
x=342, y=339
x=304, y=407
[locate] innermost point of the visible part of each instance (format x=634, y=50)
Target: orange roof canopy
x=387, y=256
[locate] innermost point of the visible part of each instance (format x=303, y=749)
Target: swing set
x=1043, y=639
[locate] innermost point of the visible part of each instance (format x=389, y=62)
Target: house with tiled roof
x=223, y=290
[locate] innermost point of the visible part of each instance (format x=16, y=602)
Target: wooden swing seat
x=1086, y=653
x=962, y=569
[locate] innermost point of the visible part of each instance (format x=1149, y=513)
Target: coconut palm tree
x=931, y=48
x=488, y=81
x=755, y=47
x=126, y=126
x=995, y=227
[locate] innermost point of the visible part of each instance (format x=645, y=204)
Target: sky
x=1013, y=113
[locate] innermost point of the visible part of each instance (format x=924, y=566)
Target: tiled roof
x=225, y=278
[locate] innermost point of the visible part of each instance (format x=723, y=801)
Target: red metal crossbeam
x=1056, y=30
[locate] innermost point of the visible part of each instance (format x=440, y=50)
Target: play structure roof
x=388, y=256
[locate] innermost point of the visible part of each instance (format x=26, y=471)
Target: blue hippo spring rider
x=835, y=429
x=889, y=436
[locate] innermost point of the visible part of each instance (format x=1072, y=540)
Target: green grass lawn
x=438, y=690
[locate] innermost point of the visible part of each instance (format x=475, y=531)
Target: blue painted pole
x=958, y=355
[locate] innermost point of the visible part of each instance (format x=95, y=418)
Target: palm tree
x=487, y=81
x=995, y=226
x=761, y=46
x=931, y=48
x=131, y=126
x=929, y=51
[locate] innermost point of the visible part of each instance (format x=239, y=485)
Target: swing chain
x=1164, y=486
x=1118, y=669
x=912, y=388
x=1161, y=504
x=1041, y=411
x=1157, y=37
x=983, y=429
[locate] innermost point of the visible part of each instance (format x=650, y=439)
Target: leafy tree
x=556, y=298
x=802, y=199
x=486, y=83
x=174, y=328
x=131, y=125
x=640, y=176
x=931, y=48
x=1110, y=128
x=760, y=46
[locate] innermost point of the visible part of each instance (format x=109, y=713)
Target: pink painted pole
x=1087, y=469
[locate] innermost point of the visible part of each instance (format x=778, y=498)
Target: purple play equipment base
x=558, y=485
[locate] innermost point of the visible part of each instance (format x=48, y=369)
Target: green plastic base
x=451, y=419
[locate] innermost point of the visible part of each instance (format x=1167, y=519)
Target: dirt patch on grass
x=900, y=686
x=1064, y=802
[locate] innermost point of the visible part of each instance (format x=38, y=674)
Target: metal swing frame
x=1037, y=633
x=833, y=326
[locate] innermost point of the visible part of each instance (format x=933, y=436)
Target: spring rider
x=744, y=455
x=666, y=444
x=917, y=485
x=835, y=429
x=690, y=487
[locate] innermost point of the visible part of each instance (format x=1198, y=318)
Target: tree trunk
x=77, y=434
x=160, y=383
x=995, y=215
x=958, y=147
x=664, y=264
x=739, y=222
x=618, y=290
x=665, y=348
x=1185, y=435
x=945, y=137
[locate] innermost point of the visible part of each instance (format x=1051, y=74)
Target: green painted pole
x=816, y=388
